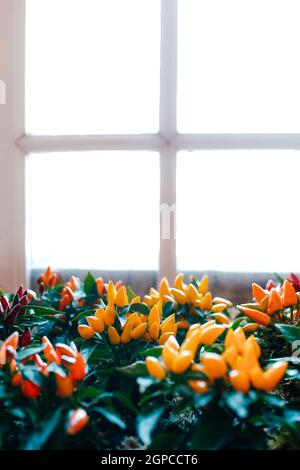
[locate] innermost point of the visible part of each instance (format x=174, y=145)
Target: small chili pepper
x=78, y=419
x=138, y=331
x=182, y=362
x=210, y=334
x=203, y=286
x=275, y=303
x=100, y=286
x=259, y=317
x=85, y=331
x=258, y=292
x=30, y=389
x=111, y=292
x=289, y=295
x=97, y=324
x=126, y=333
x=113, y=335
x=154, y=368
x=239, y=380
x=164, y=288
x=214, y=364
x=121, y=297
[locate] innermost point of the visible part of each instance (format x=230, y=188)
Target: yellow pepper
x=85, y=331
x=113, y=335
x=214, y=364
x=182, y=362
x=97, y=324
x=109, y=315
x=206, y=303
x=178, y=282
x=239, y=380
x=138, y=331
x=121, y=297
x=154, y=330
x=203, y=286
x=210, y=334
x=111, y=292
x=164, y=288
x=179, y=296
x=155, y=368
x=222, y=318
x=126, y=333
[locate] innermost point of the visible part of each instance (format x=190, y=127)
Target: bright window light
x=95, y=210
x=92, y=66
x=237, y=210
x=238, y=66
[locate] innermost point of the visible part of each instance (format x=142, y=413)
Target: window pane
x=92, y=66
x=238, y=66
x=94, y=210
x=238, y=210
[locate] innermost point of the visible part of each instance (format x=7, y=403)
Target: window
x=135, y=105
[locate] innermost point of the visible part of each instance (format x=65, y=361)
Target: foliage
x=89, y=364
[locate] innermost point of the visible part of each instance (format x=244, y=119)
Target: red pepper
x=78, y=419
x=30, y=389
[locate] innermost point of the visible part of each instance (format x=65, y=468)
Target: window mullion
x=168, y=130
x=12, y=163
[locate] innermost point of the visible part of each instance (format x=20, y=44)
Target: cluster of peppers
x=72, y=369
x=279, y=303
x=238, y=365
x=195, y=293
x=136, y=326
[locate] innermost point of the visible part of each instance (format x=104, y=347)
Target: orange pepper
x=258, y=292
x=64, y=386
x=275, y=302
x=289, y=296
x=259, y=317
x=100, y=286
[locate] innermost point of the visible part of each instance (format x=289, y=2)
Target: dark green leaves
x=289, y=332
x=110, y=415
x=44, y=428
x=136, y=369
x=146, y=424
x=89, y=285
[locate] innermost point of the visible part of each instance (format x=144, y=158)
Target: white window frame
x=15, y=145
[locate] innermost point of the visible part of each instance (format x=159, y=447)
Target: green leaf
x=238, y=402
x=89, y=285
x=140, y=308
x=125, y=399
x=27, y=352
x=41, y=310
x=168, y=309
x=289, y=332
x=131, y=295
x=111, y=415
x=156, y=351
x=213, y=431
x=136, y=369
x=146, y=424
x=84, y=314
x=41, y=434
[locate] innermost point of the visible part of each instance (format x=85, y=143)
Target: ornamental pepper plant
x=92, y=364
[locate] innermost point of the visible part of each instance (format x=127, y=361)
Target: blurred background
x=122, y=116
